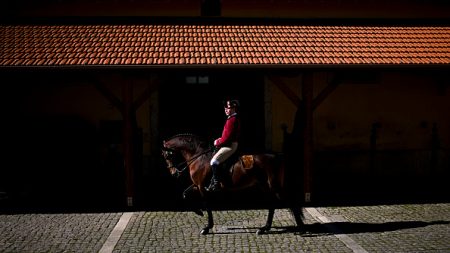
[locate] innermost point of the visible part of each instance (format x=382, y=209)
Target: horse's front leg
x=206, y=207
x=268, y=225
x=210, y=225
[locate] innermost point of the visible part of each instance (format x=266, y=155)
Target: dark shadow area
x=64, y=163
x=334, y=228
x=334, y=189
x=354, y=228
x=192, y=102
x=59, y=163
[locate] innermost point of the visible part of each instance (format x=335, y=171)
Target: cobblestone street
x=382, y=228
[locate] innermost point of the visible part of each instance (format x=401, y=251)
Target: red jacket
x=231, y=132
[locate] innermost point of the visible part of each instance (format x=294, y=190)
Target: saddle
x=230, y=165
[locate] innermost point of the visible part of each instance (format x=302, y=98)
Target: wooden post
x=307, y=93
x=127, y=93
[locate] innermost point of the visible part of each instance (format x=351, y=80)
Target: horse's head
x=172, y=157
x=178, y=149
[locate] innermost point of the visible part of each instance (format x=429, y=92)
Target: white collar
x=232, y=115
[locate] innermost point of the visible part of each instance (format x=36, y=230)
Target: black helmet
x=231, y=103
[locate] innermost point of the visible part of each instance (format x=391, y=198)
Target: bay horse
x=187, y=152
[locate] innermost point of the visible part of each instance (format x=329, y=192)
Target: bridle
x=187, y=162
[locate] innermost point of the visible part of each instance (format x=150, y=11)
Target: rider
x=227, y=144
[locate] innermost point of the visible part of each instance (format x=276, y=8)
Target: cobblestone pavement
x=382, y=228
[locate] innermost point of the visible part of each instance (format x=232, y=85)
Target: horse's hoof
x=296, y=230
x=198, y=212
x=261, y=231
x=300, y=231
x=204, y=231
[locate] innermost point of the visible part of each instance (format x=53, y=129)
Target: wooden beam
x=305, y=108
x=145, y=95
x=334, y=83
x=127, y=93
x=128, y=110
x=317, y=100
x=286, y=90
x=109, y=95
x=307, y=92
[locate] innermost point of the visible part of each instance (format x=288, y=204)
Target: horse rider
x=227, y=144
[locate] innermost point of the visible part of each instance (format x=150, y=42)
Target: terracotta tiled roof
x=193, y=45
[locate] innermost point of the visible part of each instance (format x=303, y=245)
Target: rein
x=188, y=162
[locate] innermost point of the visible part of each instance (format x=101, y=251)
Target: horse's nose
x=174, y=172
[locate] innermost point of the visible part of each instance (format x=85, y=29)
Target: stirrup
x=214, y=187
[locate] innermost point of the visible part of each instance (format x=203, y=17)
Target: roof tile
x=41, y=45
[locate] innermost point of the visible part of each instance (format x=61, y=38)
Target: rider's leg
x=215, y=183
x=222, y=154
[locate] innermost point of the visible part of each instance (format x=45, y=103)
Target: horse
x=187, y=152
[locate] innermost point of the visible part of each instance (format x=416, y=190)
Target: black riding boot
x=214, y=186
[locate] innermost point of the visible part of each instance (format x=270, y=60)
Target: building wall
x=403, y=106
x=83, y=99
x=389, y=134
x=394, y=127
x=64, y=138
x=283, y=110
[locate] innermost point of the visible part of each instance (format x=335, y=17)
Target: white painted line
x=115, y=235
x=349, y=242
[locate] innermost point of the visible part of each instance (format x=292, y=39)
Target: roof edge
x=228, y=66
x=129, y=20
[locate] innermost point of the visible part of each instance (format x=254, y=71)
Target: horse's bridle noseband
x=168, y=152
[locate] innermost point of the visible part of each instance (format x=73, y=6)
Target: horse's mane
x=184, y=135
x=191, y=140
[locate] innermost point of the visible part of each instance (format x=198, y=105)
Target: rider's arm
x=227, y=133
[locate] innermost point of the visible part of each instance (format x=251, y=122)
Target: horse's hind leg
x=298, y=216
x=268, y=225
